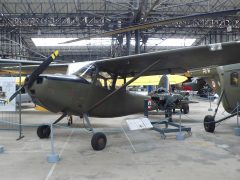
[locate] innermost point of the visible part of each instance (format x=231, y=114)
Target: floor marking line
x=65, y=144
x=54, y=165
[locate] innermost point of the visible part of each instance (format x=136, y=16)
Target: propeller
x=156, y=23
x=30, y=80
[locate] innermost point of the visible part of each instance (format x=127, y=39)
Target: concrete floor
x=201, y=156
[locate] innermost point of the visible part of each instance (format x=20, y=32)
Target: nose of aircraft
x=35, y=74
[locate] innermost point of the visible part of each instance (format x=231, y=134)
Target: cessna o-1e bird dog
x=81, y=93
x=225, y=80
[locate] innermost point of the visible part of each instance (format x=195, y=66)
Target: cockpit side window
x=108, y=80
x=234, y=79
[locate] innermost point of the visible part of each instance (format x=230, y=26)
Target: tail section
x=164, y=83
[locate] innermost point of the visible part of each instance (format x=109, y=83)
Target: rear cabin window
x=234, y=79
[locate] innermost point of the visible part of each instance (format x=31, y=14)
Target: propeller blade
x=15, y=94
x=41, y=68
x=156, y=23
x=30, y=80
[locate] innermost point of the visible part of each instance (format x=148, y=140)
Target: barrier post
x=1, y=149
x=146, y=107
x=180, y=135
x=53, y=157
x=237, y=129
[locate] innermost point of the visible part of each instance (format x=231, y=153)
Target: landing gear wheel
x=43, y=131
x=99, y=141
x=209, y=123
x=185, y=108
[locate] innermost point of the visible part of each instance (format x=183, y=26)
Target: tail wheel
x=209, y=123
x=43, y=131
x=99, y=141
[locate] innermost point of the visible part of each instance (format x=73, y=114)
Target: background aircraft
x=225, y=80
x=195, y=84
x=82, y=94
x=166, y=100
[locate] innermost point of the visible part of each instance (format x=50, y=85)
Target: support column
x=128, y=43
x=137, y=42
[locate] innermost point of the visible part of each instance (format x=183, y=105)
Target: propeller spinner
x=30, y=80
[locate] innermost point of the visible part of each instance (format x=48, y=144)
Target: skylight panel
x=107, y=41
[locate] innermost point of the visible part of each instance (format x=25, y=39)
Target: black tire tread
x=209, y=124
x=95, y=141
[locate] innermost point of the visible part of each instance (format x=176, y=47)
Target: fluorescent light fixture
x=107, y=41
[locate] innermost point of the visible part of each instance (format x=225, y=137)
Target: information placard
x=7, y=88
x=140, y=123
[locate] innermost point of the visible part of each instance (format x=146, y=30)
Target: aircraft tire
x=209, y=124
x=185, y=108
x=99, y=141
x=43, y=131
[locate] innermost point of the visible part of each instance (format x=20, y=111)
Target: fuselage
x=229, y=76
x=75, y=95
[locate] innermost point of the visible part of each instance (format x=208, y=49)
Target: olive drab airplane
x=80, y=92
x=225, y=81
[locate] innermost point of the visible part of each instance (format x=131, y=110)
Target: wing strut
x=123, y=86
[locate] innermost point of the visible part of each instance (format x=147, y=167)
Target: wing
x=173, y=61
x=205, y=72
x=16, y=62
x=28, y=69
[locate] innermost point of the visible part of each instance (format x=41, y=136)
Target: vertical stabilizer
x=164, y=83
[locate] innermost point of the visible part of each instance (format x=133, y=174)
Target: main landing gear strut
x=209, y=121
x=98, y=142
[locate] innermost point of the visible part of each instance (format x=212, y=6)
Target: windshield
x=90, y=72
x=87, y=72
